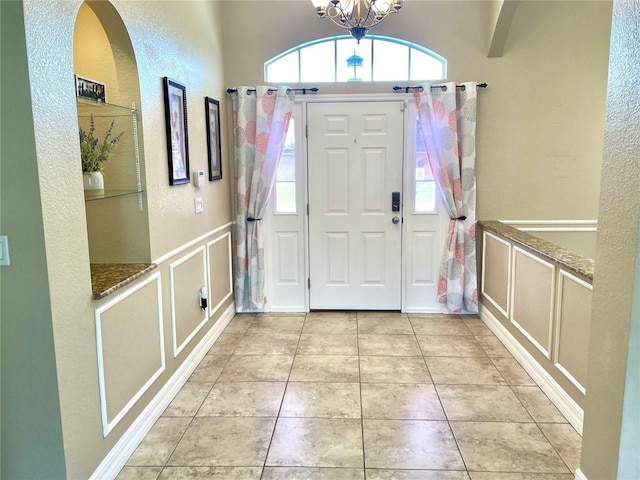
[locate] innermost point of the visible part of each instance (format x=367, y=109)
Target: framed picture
x=175, y=112
x=87, y=88
x=212, y=108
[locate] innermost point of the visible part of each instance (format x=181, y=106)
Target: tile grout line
x=284, y=393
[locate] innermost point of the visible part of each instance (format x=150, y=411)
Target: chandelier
x=357, y=16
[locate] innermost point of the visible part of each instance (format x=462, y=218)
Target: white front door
x=355, y=157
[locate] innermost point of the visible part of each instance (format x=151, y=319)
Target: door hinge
x=309, y=283
x=307, y=209
x=306, y=131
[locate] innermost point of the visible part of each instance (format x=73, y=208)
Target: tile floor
x=358, y=395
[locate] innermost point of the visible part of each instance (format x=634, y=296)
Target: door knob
x=395, y=220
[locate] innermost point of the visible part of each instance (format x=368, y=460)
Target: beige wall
x=540, y=122
x=617, y=250
x=181, y=40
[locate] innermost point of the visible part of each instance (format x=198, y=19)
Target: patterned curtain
x=260, y=121
x=448, y=118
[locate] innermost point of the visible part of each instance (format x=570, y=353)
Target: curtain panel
x=448, y=118
x=261, y=118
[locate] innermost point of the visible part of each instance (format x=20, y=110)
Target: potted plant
x=94, y=154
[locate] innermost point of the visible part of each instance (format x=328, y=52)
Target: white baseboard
x=561, y=399
x=579, y=475
x=122, y=450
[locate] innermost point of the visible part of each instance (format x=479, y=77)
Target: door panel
x=355, y=157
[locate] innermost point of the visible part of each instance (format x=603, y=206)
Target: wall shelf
x=122, y=171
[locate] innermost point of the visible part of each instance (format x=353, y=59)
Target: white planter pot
x=93, y=183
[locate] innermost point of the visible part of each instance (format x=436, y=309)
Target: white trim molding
x=553, y=225
x=214, y=309
x=579, y=475
x=108, y=425
x=190, y=244
x=122, y=450
x=174, y=326
x=562, y=274
x=504, y=311
x=544, y=349
x=561, y=399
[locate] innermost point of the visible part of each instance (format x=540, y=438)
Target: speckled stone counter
x=567, y=259
x=106, y=278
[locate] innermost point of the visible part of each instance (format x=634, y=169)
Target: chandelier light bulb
x=357, y=16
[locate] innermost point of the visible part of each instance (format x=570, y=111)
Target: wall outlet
x=4, y=251
x=199, y=205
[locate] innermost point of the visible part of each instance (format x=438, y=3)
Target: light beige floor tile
x=565, y=440
x=520, y=476
x=226, y=343
x=157, y=445
x=268, y=344
x=302, y=473
x=385, y=325
x=240, y=323
x=392, y=345
x=257, y=368
x=209, y=368
x=506, y=447
x=512, y=372
x=463, y=370
x=410, y=444
x=439, y=325
x=401, y=401
x=224, y=441
x=381, y=369
x=330, y=324
x=316, y=442
x=188, y=400
x=493, y=346
x=538, y=405
x=380, y=474
x=450, y=346
x=211, y=473
x=476, y=325
x=325, y=368
x=139, y=473
x=280, y=324
x=328, y=344
x=332, y=400
x=243, y=399
x=482, y=403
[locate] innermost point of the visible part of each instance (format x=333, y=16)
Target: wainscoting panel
x=187, y=276
x=532, y=299
x=496, y=272
x=130, y=348
x=572, y=328
x=219, y=272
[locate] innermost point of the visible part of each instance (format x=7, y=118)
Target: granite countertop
x=106, y=278
x=565, y=258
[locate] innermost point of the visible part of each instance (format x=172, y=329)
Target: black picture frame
x=175, y=111
x=87, y=88
x=214, y=150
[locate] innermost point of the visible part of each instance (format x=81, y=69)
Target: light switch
x=4, y=250
x=199, y=204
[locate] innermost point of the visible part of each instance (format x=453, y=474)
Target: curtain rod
x=289, y=90
x=435, y=87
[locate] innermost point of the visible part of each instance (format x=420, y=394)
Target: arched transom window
x=342, y=59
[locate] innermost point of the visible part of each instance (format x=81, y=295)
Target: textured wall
x=613, y=294
x=29, y=406
x=181, y=40
x=540, y=122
